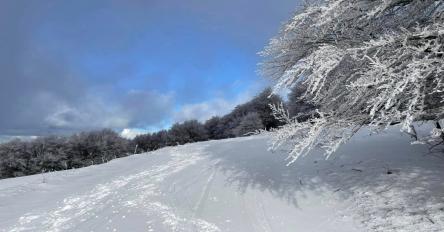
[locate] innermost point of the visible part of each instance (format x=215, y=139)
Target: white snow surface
x=238, y=185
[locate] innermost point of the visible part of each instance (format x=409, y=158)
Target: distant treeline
x=253, y=115
x=53, y=153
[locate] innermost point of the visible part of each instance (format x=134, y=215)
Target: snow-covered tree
x=249, y=124
x=52, y=153
x=361, y=62
x=187, y=132
x=260, y=104
x=297, y=107
x=213, y=128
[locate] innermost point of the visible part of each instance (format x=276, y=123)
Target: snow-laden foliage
x=54, y=153
x=249, y=124
x=297, y=106
x=226, y=126
x=361, y=62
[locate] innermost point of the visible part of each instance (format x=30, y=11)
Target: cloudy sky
x=67, y=66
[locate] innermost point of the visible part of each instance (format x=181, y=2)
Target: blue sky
x=67, y=66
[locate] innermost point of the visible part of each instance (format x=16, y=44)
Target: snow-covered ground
x=237, y=185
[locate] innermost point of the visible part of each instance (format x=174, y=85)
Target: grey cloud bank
x=53, y=79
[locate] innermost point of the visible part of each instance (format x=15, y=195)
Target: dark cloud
x=147, y=109
x=67, y=66
x=30, y=82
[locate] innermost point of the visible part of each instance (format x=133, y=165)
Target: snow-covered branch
x=362, y=63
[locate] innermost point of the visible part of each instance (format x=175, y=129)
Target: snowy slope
x=237, y=185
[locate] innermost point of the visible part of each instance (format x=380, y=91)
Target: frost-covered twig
x=362, y=63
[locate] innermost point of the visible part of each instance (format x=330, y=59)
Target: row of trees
x=19, y=158
x=244, y=119
x=53, y=153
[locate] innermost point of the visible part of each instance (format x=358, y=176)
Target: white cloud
x=215, y=107
x=131, y=133
x=91, y=113
x=6, y=138
x=136, y=109
x=203, y=111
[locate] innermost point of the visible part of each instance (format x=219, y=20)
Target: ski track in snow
x=200, y=203
x=198, y=187
x=134, y=191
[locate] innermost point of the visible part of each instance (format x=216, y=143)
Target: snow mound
x=373, y=183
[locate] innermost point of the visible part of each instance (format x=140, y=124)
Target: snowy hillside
x=374, y=183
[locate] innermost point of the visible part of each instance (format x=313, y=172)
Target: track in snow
x=237, y=185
